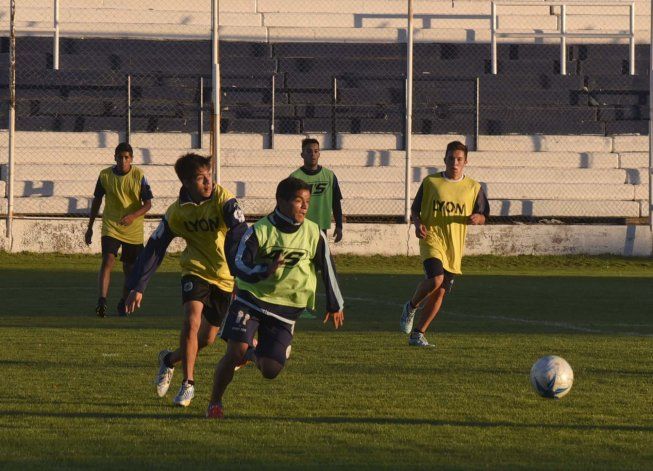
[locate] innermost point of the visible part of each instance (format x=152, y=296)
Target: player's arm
x=336, y=206
x=334, y=303
x=244, y=265
x=416, y=207
x=147, y=263
x=481, y=209
x=146, y=204
x=98, y=194
x=234, y=220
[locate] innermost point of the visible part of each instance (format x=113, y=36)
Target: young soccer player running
x=275, y=278
x=209, y=219
x=325, y=191
x=128, y=198
x=445, y=204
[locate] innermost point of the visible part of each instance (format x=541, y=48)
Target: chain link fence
x=548, y=147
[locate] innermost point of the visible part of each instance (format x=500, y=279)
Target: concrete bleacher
x=524, y=176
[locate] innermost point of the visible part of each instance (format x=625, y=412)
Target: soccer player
x=128, y=198
x=443, y=207
x=275, y=277
x=209, y=219
x=325, y=191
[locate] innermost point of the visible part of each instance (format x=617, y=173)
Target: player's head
x=124, y=156
x=194, y=172
x=455, y=159
x=293, y=196
x=310, y=152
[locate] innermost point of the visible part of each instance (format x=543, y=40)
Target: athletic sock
x=101, y=300
x=190, y=381
x=417, y=331
x=166, y=361
x=410, y=303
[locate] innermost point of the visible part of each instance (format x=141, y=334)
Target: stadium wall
x=64, y=235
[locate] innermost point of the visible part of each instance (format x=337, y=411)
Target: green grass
x=77, y=390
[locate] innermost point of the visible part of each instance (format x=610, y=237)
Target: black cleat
x=101, y=309
x=122, y=310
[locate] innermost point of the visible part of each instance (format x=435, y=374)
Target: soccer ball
x=552, y=377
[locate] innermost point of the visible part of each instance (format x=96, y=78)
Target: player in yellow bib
x=443, y=207
x=127, y=198
x=208, y=218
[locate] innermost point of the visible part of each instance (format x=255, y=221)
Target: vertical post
x=493, y=38
x=128, y=114
x=334, y=107
x=12, y=122
x=409, y=113
x=650, y=133
x=55, y=45
x=631, y=42
x=215, y=84
x=200, y=116
x=272, y=111
x=477, y=117
x=563, y=40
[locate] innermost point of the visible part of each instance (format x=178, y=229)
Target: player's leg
x=273, y=348
x=130, y=253
x=188, y=346
x=432, y=280
x=110, y=248
x=433, y=303
x=239, y=330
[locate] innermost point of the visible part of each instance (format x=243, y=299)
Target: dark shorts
x=433, y=267
x=216, y=302
x=274, y=336
x=129, y=253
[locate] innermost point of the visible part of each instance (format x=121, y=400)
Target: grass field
x=77, y=390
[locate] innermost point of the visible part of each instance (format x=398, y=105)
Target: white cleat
x=164, y=376
x=407, y=317
x=417, y=339
x=185, y=395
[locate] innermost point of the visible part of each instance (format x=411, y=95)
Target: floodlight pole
x=55, y=41
x=409, y=112
x=11, y=124
x=650, y=134
x=215, y=81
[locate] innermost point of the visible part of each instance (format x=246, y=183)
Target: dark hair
x=186, y=166
x=455, y=145
x=309, y=141
x=288, y=188
x=124, y=147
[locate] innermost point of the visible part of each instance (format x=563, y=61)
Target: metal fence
x=552, y=99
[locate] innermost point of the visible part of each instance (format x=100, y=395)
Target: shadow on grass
x=336, y=420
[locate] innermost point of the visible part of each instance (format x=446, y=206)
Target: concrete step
x=633, y=159
x=547, y=143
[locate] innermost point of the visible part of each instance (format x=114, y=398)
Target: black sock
x=101, y=300
x=190, y=381
x=166, y=361
x=417, y=331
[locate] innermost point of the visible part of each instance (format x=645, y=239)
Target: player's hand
x=133, y=301
x=127, y=220
x=476, y=219
x=420, y=231
x=338, y=318
x=88, y=237
x=276, y=263
x=337, y=234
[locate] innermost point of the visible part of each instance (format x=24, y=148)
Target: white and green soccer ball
x=552, y=377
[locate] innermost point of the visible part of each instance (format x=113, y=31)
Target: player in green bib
x=275, y=267
x=325, y=190
x=445, y=204
x=127, y=198
x=211, y=223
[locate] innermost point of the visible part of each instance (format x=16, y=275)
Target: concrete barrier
x=66, y=236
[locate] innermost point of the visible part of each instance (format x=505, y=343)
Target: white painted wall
x=67, y=235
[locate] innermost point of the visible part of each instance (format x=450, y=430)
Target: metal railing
x=562, y=32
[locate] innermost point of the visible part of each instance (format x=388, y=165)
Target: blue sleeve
x=99, y=190
x=416, y=207
x=150, y=258
x=323, y=261
x=336, y=204
x=246, y=252
x=146, y=191
x=234, y=219
x=481, y=205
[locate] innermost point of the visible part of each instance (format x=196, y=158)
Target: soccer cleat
x=164, y=376
x=407, y=317
x=417, y=339
x=214, y=411
x=185, y=395
x=121, y=309
x=101, y=309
